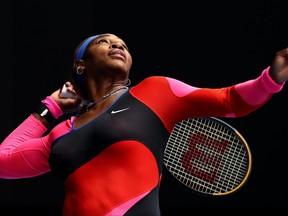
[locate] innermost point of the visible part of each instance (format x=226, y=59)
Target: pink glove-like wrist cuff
x=53, y=107
x=269, y=83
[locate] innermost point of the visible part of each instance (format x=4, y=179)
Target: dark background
x=207, y=44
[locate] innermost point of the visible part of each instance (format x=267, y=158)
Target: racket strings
x=206, y=156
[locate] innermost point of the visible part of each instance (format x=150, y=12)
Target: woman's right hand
x=69, y=101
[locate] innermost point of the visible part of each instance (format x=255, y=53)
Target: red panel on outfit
x=125, y=170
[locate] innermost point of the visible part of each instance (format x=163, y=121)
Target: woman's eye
x=102, y=41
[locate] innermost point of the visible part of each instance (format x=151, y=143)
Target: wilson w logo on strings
x=202, y=159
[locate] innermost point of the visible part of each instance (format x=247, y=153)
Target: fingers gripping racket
x=208, y=155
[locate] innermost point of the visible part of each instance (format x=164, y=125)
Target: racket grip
x=64, y=93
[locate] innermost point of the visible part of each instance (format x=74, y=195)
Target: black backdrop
x=204, y=44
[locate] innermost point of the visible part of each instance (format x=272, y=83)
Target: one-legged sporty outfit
x=112, y=165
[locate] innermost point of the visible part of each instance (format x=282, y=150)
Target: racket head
x=208, y=156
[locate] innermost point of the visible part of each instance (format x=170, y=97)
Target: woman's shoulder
x=151, y=84
x=151, y=80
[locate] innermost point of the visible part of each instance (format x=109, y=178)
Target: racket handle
x=64, y=93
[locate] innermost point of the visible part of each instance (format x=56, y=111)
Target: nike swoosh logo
x=117, y=111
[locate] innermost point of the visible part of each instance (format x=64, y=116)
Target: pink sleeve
x=257, y=91
x=24, y=153
x=53, y=107
x=253, y=92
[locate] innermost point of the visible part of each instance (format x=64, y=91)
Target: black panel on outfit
x=104, y=131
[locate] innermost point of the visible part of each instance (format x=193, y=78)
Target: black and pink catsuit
x=113, y=164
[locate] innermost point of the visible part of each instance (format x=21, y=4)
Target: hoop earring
x=128, y=82
x=79, y=70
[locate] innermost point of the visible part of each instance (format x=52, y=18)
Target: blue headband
x=80, y=54
x=83, y=47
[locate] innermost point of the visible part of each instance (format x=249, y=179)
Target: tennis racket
x=208, y=155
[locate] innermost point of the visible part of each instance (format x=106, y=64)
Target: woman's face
x=108, y=53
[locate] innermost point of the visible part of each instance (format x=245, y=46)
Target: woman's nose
x=116, y=45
